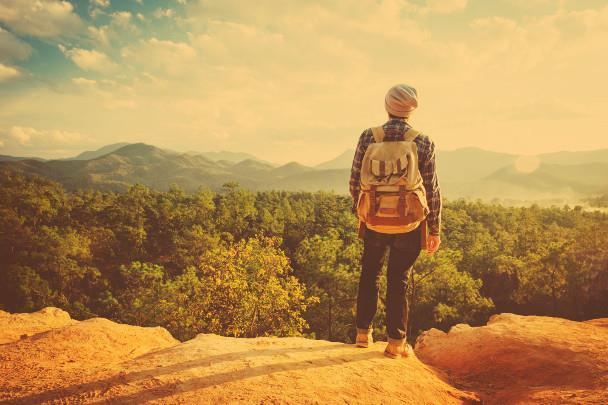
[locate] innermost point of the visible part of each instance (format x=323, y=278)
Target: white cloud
x=167, y=57
x=140, y=17
x=40, y=18
x=22, y=135
x=24, y=140
x=8, y=73
x=12, y=48
x=89, y=59
x=164, y=12
x=100, y=35
x=121, y=17
x=82, y=81
x=101, y=3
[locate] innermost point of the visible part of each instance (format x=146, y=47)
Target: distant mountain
x=158, y=168
x=342, y=161
x=470, y=164
x=251, y=168
x=587, y=178
x=7, y=158
x=227, y=156
x=575, y=158
x=290, y=169
x=548, y=182
x=335, y=180
x=465, y=173
x=88, y=155
x=133, y=163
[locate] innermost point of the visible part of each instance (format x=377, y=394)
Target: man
x=400, y=101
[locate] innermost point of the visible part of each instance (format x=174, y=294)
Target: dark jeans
x=404, y=250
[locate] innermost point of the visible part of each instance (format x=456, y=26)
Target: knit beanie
x=401, y=100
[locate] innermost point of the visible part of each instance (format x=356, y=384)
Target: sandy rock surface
x=15, y=326
x=513, y=359
x=524, y=359
x=98, y=360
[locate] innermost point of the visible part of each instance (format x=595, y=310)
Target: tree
x=443, y=295
x=329, y=268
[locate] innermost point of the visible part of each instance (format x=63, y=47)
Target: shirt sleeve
x=428, y=170
x=355, y=171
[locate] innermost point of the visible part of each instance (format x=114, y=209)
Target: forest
x=241, y=263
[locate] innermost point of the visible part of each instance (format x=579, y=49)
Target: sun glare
x=527, y=164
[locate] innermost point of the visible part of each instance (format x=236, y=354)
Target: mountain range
x=466, y=172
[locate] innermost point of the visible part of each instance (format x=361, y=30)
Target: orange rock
x=532, y=359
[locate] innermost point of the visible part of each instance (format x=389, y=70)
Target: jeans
x=404, y=250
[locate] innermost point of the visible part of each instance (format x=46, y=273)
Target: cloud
x=12, y=48
x=81, y=81
x=101, y=3
x=24, y=140
x=8, y=73
x=100, y=35
x=167, y=57
x=21, y=134
x=89, y=59
x=121, y=17
x=40, y=18
x=164, y=12
x=546, y=45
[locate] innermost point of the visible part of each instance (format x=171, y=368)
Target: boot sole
x=390, y=355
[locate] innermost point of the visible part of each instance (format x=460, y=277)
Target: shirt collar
x=397, y=121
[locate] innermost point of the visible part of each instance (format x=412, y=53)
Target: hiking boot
x=364, y=337
x=396, y=348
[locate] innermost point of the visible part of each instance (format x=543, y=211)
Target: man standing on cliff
x=400, y=101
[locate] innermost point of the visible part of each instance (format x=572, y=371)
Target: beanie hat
x=401, y=100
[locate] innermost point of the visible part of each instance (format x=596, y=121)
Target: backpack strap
x=378, y=133
x=410, y=134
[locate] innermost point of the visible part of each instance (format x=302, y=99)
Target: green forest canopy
x=281, y=263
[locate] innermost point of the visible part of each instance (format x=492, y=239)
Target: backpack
x=392, y=198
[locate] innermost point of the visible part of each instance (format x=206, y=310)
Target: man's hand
x=432, y=243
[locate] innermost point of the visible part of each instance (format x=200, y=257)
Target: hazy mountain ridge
x=8, y=158
x=157, y=168
x=342, y=161
x=92, y=154
x=467, y=172
x=227, y=156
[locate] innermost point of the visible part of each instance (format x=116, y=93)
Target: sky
x=300, y=80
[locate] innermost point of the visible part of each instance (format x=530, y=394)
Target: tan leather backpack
x=392, y=198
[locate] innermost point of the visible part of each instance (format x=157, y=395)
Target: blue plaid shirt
x=394, y=129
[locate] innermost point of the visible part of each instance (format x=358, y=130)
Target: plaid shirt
x=394, y=129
